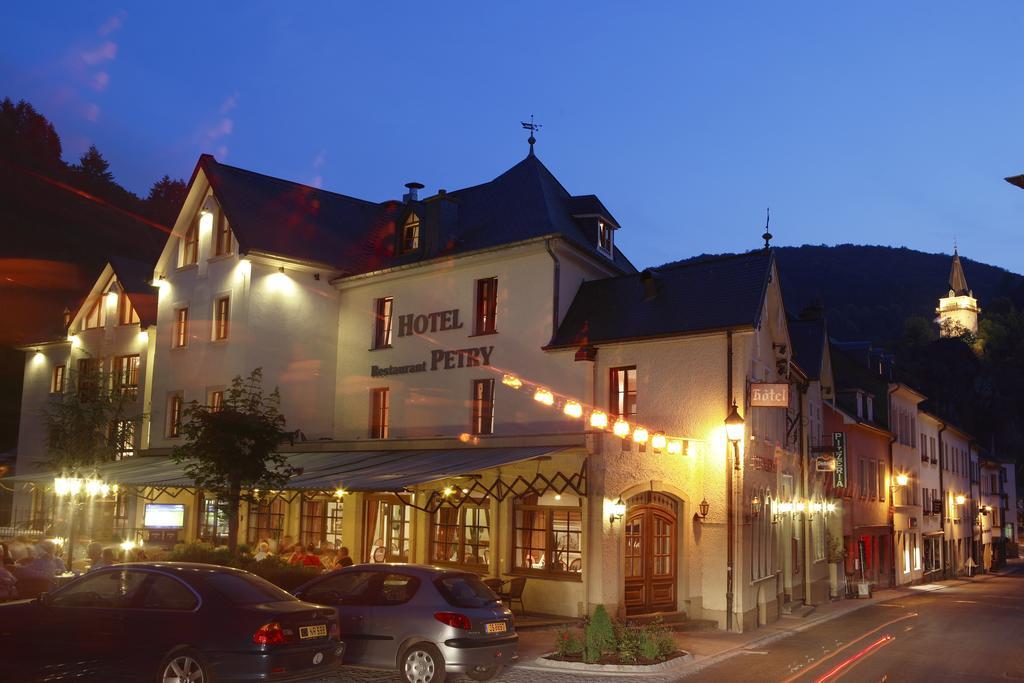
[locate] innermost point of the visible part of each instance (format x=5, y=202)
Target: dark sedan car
x=169, y=623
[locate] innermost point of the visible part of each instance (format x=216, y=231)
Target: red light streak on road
x=850, y=661
x=851, y=643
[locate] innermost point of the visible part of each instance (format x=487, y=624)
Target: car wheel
x=485, y=674
x=184, y=666
x=422, y=663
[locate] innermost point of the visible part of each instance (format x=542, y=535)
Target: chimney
x=413, y=194
x=650, y=285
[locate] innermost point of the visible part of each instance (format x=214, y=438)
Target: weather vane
x=533, y=128
x=767, y=236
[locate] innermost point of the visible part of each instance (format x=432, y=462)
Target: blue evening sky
x=871, y=122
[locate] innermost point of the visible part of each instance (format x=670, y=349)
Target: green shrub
x=666, y=644
x=649, y=645
x=568, y=643
x=599, y=635
x=273, y=569
x=629, y=642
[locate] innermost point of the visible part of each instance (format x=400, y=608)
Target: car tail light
x=454, y=619
x=273, y=634
x=333, y=631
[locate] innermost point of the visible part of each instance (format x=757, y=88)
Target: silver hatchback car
x=425, y=621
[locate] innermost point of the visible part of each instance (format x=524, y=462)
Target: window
x=385, y=307
x=924, y=448
x=396, y=589
x=387, y=528
x=96, y=316
x=123, y=435
x=486, y=305
x=245, y=589
x=348, y=588
x=117, y=589
x=623, y=392
x=881, y=480
x=461, y=535
x=266, y=519
x=379, y=405
x=216, y=400
x=411, y=234
x=222, y=244
x=221, y=314
x=605, y=237
x=126, y=375
x=190, y=245
x=180, y=328
x=864, y=478
x=57, y=381
x=932, y=554
x=126, y=314
x=167, y=593
x=320, y=522
x=818, y=530
x=465, y=590
x=89, y=377
x=546, y=539
x=870, y=410
x=483, y=406
x=931, y=448
x=213, y=520
x=174, y=408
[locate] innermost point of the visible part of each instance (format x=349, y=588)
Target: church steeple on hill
x=958, y=311
x=957, y=279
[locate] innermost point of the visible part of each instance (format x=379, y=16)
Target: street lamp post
x=77, y=490
x=734, y=431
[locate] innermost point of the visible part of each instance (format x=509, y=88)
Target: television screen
x=165, y=516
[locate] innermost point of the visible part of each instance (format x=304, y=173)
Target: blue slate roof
x=356, y=236
x=691, y=296
x=808, y=338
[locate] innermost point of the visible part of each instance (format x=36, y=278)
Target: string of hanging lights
x=600, y=420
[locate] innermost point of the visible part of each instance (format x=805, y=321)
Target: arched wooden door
x=651, y=556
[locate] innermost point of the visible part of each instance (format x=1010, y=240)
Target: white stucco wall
x=284, y=322
x=436, y=401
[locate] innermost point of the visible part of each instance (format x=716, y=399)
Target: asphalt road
x=967, y=631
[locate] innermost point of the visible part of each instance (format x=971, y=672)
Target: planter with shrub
x=604, y=643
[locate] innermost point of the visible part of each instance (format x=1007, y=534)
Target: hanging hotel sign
x=413, y=324
x=765, y=395
x=839, y=454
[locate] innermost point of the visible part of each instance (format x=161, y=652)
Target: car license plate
x=496, y=627
x=318, y=631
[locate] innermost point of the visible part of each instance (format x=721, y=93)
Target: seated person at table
x=106, y=559
x=343, y=557
x=299, y=555
x=44, y=565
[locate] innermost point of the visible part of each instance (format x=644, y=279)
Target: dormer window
x=411, y=234
x=605, y=237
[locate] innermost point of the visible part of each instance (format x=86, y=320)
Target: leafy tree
x=165, y=199
x=232, y=450
x=93, y=167
x=89, y=424
x=27, y=137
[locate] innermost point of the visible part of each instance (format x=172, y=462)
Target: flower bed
x=605, y=642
